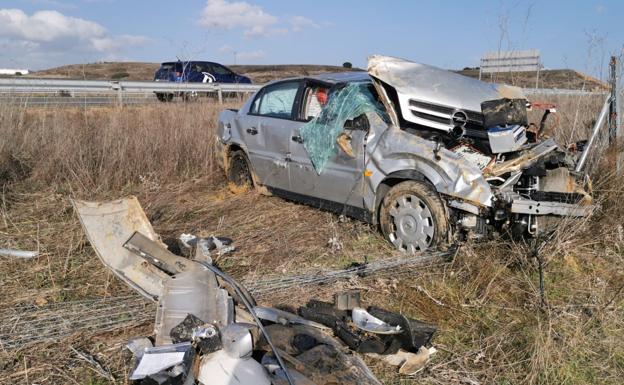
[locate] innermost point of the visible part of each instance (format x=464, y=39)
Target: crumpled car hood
x=420, y=82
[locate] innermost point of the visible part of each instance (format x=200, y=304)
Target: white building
x=8, y=71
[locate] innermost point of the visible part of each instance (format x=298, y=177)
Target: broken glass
x=319, y=135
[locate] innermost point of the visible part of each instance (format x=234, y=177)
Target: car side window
x=220, y=70
x=276, y=100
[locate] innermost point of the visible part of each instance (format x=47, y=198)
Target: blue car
x=195, y=72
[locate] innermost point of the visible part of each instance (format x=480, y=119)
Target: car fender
x=406, y=156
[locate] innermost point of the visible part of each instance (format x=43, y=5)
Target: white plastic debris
x=23, y=254
x=159, y=358
x=367, y=322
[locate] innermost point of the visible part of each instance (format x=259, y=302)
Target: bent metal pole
x=599, y=123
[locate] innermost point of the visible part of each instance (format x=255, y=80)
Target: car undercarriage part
x=321, y=133
x=204, y=336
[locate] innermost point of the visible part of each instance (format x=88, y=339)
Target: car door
x=267, y=128
x=222, y=74
x=339, y=181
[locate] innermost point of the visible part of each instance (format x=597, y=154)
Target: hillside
x=563, y=79
x=145, y=71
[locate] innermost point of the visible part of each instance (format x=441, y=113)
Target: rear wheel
x=164, y=97
x=413, y=218
x=239, y=172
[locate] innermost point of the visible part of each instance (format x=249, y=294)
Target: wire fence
x=29, y=324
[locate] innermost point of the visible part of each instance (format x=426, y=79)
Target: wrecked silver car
x=428, y=155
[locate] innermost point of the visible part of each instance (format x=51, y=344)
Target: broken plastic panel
x=320, y=134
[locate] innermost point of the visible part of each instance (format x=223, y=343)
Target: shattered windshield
x=320, y=134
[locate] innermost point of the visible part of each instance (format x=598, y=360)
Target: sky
x=38, y=34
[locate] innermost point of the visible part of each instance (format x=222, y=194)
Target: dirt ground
x=493, y=326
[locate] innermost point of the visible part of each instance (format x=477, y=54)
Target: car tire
x=164, y=97
x=239, y=171
x=413, y=218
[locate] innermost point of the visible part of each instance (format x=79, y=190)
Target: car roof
x=191, y=61
x=330, y=77
x=342, y=77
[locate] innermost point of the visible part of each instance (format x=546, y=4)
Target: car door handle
x=297, y=139
x=252, y=131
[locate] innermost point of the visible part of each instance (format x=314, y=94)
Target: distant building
x=8, y=71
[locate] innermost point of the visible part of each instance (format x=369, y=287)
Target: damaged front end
x=474, y=143
x=209, y=329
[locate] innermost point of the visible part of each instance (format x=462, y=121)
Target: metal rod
x=18, y=253
x=601, y=119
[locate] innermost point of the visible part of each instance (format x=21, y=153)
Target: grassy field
x=493, y=327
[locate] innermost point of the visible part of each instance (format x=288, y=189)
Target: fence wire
x=29, y=324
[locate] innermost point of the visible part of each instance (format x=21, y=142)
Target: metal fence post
x=220, y=94
x=613, y=108
x=619, y=129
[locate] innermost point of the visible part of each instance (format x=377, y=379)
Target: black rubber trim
x=323, y=204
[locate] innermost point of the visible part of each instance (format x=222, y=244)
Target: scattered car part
x=347, y=300
x=220, y=368
x=189, y=293
x=409, y=363
x=367, y=322
x=23, y=254
x=156, y=359
x=284, y=317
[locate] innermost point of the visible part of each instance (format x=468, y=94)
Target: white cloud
x=221, y=14
x=251, y=55
x=53, y=34
x=299, y=23
x=226, y=48
x=46, y=26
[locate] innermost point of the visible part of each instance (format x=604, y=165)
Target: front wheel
x=413, y=218
x=239, y=171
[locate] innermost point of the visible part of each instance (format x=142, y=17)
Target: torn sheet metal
x=367, y=322
x=320, y=134
x=525, y=160
x=108, y=225
x=419, y=86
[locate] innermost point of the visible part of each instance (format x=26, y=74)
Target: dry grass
x=486, y=302
x=145, y=71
